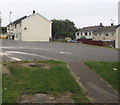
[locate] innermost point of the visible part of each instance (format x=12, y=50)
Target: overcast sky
x=81, y=12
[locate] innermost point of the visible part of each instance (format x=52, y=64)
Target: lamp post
x=10, y=17
x=9, y=25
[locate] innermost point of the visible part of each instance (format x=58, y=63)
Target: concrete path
x=95, y=87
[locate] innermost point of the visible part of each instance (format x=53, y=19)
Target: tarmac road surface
x=72, y=54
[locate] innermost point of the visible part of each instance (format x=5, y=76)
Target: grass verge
x=54, y=80
x=107, y=70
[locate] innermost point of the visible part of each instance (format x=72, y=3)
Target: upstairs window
x=20, y=24
x=25, y=28
x=89, y=33
x=85, y=33
x=95, y=34
x=77, y=34
x=15, y=26
x=106, y=34
x=81, y=34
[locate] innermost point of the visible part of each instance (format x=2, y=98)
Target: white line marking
x=11, y=58
x=7, y=47
x=69, y=53
x=2, y=54
x=24, y=53
x=16, y=59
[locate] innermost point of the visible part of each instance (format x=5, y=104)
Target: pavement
x=73, y=54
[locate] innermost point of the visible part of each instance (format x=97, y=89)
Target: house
x=105, y=33
x=117, y=43
x=30, y=28
x=87, y=32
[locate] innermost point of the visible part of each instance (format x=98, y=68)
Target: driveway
x=72, y=54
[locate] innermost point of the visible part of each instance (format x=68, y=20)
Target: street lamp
x=10, y=17
x=10, y=24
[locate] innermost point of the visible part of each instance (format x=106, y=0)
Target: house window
x=103, y=38
x=85, y=33
x=95, y=34
x=77, y=34
x=16, y=35
x=89, y=33
x=100, y=34
x=15, y=25
x=25, y=28
x=106, y=34
x=81, y=34
x=93, y=37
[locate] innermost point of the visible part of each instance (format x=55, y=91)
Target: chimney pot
x=34, y=12
x=111, y=24
x=101, y=25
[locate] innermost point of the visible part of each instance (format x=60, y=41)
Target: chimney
x=34, y=12
x=111, y=24
x=101, y=25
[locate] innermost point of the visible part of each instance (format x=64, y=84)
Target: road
x=56, y=50
x=72, y=54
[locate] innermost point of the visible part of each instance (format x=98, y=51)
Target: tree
x=63, y=28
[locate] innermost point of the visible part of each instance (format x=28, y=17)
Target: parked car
x=73, y=41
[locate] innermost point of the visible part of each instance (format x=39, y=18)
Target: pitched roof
x=118, y=26
x=39, y=15
x=26, y=17
x=106, y=29
x=19, y=20
x=89, y=29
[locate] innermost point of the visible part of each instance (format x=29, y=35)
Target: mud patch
x=6, y=71
x=45, y=98
x=36, y=65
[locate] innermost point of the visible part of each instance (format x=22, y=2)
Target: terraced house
x=87, y=32
x=98, y=33
x=30, y=28
x=118, y=36
x=105, y=33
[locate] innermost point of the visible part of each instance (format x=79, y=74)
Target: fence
x=98, y=43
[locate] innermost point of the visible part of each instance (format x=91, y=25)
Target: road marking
x=11, y=58
x=24, y=53
x=69, y=53
x=7, y=47
x=16, y=59
x=2, y=54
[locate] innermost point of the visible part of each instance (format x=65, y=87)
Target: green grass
x=106, y=71
x=56, y=80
